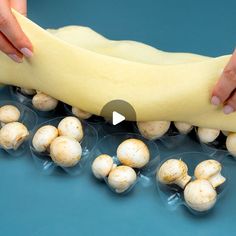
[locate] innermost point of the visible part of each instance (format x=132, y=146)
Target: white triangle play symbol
x=117, y=118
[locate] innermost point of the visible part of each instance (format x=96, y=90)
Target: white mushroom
x=43, y=137
x=12, y=135
x=121, y=178
x=173, y=171
x=207, y=135
x=43, y=102
x=80, y=113
x=133, y=152
x=231, y=143
x=28, y=91
x=200, y=195
x=9, y=113
x=210, y=170
x=182, y=127
x=102, y=166
x=65, y=151
x=72, y=127
x=153, y=129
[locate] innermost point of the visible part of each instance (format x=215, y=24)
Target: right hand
x=13, y=41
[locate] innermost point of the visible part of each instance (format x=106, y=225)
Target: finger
x=226, y=84
x=20, y=6
x=230, y=105
x=7, y=48
x=12, y=30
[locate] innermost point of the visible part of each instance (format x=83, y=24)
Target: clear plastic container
x=17, y=95
x=171, y=139
x=109, y=144
x=95, y=121
x=172, y=195
x=27, y=117
x=44, y=162
x=218, y=145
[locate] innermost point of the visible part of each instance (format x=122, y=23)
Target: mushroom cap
x=225, y=133
x=43, y=102
x=133, y=152
x=207, y=135
x=153, y=129
x=71, y=126
x=28, y=91
x=9, y=113
x=171, y=170
x=182, y=127
x=121, y=178
x=80, y=113
x=65, y=151
x=102, y=165
x=200, y=195
x=12, y=135
x=231, y=143
x=207, y=168
x=43, y=137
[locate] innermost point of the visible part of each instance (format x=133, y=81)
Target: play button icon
x=117, y=111
x=117, y=118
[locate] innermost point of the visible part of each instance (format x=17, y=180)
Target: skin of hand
x=13, y=41
x=224, y=91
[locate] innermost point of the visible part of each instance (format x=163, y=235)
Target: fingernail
x=15, y=58
x=215, y=101
x=228, y=109
x=26, y=52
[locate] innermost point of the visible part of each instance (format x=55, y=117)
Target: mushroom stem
x=182, y=182
x=217, y=180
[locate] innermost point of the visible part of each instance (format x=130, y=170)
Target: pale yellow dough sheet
x=84, y=69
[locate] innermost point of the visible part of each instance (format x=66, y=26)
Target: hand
x=13, y=41
x=225, y=90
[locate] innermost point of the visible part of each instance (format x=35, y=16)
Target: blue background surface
x=34, y=204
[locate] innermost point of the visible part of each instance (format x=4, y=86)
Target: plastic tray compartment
x=44, y=162
x=109, y=144
x=27, y=117
x=172, y=195
x=18, y=96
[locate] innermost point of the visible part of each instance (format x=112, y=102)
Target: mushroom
x=28, y=91
x=12, y=135
x=173, y=171
x=231, y=143
x=121, y=178
x=200, y=195
x=102, y=166
x=65, y=151
x=210, y=170
x=153, y=129
x=9, y=113
x=182, y=127
x=207, y=135
x=72, y=127
x=43, y=137
x=133, y=152
x=43, y=102
x=80, y=113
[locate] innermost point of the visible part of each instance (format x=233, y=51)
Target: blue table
x=34, y=204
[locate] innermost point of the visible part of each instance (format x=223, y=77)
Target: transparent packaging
x=218, y=145
x=109, y=144
x=96, y=121
x=27, y=117
x=173, y=196
x=171, y=139
x=25, y=99
x=43, y=160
